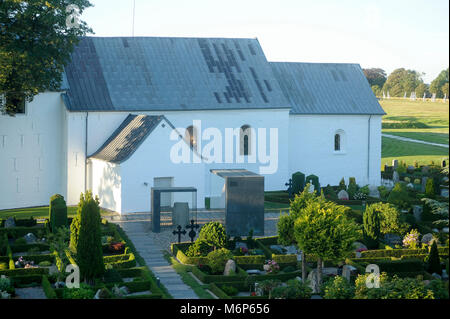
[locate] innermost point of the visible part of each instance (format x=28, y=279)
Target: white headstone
x=433, y=97
x=230, y=267
x=343, y=195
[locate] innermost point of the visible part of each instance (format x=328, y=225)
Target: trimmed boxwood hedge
x=38, y=258
x=121, y=261
x=16, y=232
x=178, y=251
x=205, y=278
x=218, y=292
x=26, y=247
x=24, y=271
x=398, y=253
x=25, y=279
x=48, y=289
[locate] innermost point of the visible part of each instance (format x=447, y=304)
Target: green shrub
x=26, y=222
x=213, y=233
x=352, y=188
x=285, y=230
x=57, y=212
x=229, y=290
x=200, y=248
x=399, y=196
x=434, y=262
x=329, y=193
x=289, y=269
x=294, y=289
x=338, y=288
x=20, y=241
x=45, y=263
x=391, y=221
x=440, y=291
x=218, y=258
x=384, y=192
x=47, y=287
x=429, y=188
x=342, y=185
x=298, y=182
x=84, y=292
x=372, y=227
x=85, y=238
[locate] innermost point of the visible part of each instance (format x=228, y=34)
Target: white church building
x=129, y=108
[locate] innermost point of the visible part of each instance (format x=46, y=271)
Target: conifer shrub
x=86, y=237
x=313, y=179
x=214, y=234
x=372, y=228
x=429, y=188
x=434, y=262
x=342, y=185
x=298, y=182
x=57, y=212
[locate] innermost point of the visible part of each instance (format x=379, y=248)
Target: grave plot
x=34, y=257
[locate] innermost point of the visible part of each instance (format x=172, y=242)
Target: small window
x=245, y=140
x=337, y=142
x=190, y=136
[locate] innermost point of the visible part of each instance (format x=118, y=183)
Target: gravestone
x=312, y=279
x=230, y=267
x=410, y=185
x=424, y=183
x=425, y=170
x=180, y=214
x=444, y=191
x=348, y=271
x=30, y=238
x=392, y=239
x=9, y=223
x=276, y=248
x=433, y=97
x=373, y=191
x=427, y=239
x=395, y=163
x=410, y=169
x=417, y=212
x=343, y=195
x=395, y=177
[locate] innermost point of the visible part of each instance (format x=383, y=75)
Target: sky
x=389, y=34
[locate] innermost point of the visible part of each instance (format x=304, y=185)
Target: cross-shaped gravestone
x=289, y=185
x=179, y=232
x=192, y=226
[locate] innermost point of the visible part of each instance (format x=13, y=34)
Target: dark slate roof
x=326, y=88
x=160, y=74
x=127, y=138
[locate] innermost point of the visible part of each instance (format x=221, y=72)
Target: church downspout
x=85, y=152
x=368, y=150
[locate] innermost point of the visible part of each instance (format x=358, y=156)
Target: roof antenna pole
x=134, y=6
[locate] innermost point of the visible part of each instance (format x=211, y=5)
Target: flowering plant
x=271, y=267
x=411, y=240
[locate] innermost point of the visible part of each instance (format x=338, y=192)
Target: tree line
x=402, y=81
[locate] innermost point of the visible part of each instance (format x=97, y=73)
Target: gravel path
x=30, y=293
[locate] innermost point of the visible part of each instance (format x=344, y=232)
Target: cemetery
x=34, y=255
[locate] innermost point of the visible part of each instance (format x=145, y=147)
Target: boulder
x=30, y=238
x=343, y=195
x=230, y=268
x=10, y=222
x=427, y=239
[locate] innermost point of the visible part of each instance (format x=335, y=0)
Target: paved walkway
x=30, y=293
x=137, y=231
x=405, y=139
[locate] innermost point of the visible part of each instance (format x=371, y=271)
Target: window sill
x=339, y=152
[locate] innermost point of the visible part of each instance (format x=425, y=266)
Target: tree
x=401, y=81
x=390, y=218
x=434, y=262
x=444, y=89
x=375, y=76
x=86, y=237
x=372, y=227
x=437, y=85
x=421, y=89
x=286, y=222
x=439, y=209
x=35, y=45
x=323, y=230
x=214, y=234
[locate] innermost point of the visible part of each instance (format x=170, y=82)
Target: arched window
x=337, y=142
x=245, y=140
x=191, y=137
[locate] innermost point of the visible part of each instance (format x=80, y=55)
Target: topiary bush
x=429, y=188
x=86, y=237
x=352, y=188
x=298, y=182
x=434, y=262
x=372, y=227
x=217, y=260
x=390, y=218
x=342, y=185
x=57, y=212
x=329, y=193
x=214, y=234
x=200, y=248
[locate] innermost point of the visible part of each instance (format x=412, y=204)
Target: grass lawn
x=274, y=205
x=434, y=114
x=38, y=212
x=410, y=152
x=427, y=135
